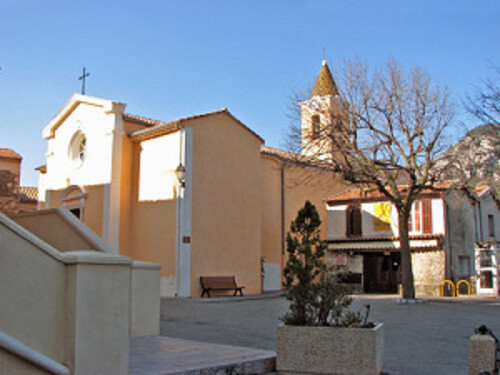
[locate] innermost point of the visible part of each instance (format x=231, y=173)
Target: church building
x=203, y=196
x=199, y=195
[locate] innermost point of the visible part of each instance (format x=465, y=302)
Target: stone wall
x=428, y=271
x=9, y=192
x=354, y=267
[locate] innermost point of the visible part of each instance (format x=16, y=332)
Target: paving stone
x=164, y=355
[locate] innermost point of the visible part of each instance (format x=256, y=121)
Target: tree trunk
x=406, y=264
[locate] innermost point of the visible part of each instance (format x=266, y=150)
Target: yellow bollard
x=458, y=287
x=452, y=287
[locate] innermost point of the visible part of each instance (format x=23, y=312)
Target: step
x=162, y=355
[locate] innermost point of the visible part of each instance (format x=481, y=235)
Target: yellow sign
x=382, y=219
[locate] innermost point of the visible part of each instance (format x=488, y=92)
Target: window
x=81, y=149
x=353, y=220
x=491, y=226
x=73, y=198
x=464, y=266
x=76, y=211
x=420, y=220
x=78, y=149
x=486, y=279
x=486, y=258
x=315, y=126
x=415, y=220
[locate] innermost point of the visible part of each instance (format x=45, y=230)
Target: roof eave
x=175, y=125
x=75, y=100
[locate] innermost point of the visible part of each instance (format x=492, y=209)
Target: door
x=487, y=269
x=381, y=272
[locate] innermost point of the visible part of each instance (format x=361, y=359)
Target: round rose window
x=78, y=149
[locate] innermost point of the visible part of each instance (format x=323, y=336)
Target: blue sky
x=168, y=59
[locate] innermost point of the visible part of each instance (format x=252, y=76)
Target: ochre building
x=200, y=195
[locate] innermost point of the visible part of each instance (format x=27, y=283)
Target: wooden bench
x=209, y=283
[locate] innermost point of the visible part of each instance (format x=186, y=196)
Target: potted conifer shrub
x=320, y=334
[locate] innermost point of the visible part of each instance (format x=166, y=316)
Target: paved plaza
x=421, y=339
x=169, y=356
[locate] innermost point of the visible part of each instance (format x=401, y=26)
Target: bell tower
x=318, y=115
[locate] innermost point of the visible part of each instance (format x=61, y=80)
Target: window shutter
x=353, y=220
x=348, y=222
x=427, y=215
x=356, y=221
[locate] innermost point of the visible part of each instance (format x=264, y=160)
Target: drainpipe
x=178, y=244
x=449, y=260
x=283, y=224
x=283, y=229
x=480, y=213
x=180, y=194
x=476, y=209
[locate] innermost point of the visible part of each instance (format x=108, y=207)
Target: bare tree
x=385, y=132
x=484, y=103
x=293, y=138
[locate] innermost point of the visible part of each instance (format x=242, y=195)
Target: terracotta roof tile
x=424, y=236
x=9, y=154
x=374, y=194
x=42, y=168
x=325, y=84
x=141, y=120
x=353, y=194
x=480, y=190
x=158, y=128
x=291, y=157
x=280, y=153
x=376, y=244
x=155, y=131
x=28, y=194
x=376, y=249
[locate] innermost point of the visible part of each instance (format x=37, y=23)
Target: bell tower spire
x=325, y=85
x=317, y=115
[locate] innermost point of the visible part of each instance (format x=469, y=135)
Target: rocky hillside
x=476, y=157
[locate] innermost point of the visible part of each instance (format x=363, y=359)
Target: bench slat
x=209, y=283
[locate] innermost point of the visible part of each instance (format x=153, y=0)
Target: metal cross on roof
x=82, y=78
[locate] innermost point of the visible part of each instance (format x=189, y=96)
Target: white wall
x=100, y=123
x=97, y=126
x=336, y=220
x=438, y=216
x=368, y=217
x=158, y=161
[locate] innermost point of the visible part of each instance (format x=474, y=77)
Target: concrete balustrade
x=145, y=299
x=77, y=308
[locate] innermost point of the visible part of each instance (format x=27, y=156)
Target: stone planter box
x=330, y=350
